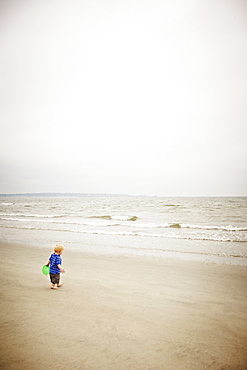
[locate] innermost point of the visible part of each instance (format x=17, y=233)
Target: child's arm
x=61, y=269
x=48, y=263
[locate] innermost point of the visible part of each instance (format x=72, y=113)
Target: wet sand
x=121, y=312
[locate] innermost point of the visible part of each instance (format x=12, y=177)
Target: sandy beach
x=121, y=312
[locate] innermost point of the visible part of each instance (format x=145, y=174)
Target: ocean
x=198, y=228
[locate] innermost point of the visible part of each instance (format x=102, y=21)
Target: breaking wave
x=116, y=218
x=102, y=221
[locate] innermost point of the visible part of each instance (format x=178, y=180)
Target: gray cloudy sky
x=123, y=96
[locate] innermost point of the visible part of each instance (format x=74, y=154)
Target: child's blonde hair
x=58, y=248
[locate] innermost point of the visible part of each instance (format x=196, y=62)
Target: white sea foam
x=32, y=215
x=173, y=235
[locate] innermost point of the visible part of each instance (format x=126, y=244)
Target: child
x=55, y=263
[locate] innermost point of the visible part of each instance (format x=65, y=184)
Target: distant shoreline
x=67, y=195
x=114, y=195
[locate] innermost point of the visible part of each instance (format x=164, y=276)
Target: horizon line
x=112, y=195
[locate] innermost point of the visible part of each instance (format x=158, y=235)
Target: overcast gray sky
x=124, y=96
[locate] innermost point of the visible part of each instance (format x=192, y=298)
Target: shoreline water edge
x=201, y=229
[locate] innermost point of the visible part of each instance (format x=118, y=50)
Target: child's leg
x=54, y=280
x=59, y=284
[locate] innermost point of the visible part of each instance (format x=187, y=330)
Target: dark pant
x=55, y=278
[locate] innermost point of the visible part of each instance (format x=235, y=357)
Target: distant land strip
x=64, y=195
